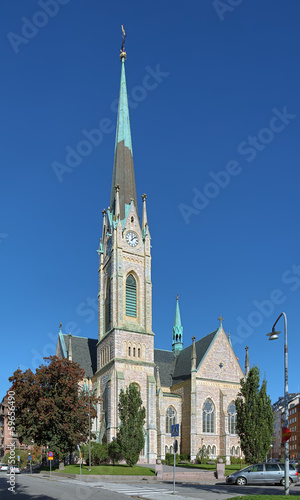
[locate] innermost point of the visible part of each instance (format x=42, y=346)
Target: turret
x=177, y=337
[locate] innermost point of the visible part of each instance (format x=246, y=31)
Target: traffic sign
x=50, y=458
x=29, y=458
x=175, y=430
x=285, y=434
x=50, y=453
x=175, y=446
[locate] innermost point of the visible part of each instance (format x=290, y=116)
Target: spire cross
x=246, y=348
x=220, y=318
x=122, y=50
x=60, y=325
x=193, y=338
x=177, y=297
x=104, y=213
x=117, y=188
x=144, y=197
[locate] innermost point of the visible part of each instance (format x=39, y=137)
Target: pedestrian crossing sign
x=175, y=430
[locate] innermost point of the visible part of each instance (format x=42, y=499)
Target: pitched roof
x=84, y=352
x=165, y=360
x=182, y=369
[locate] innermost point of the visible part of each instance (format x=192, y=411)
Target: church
x=193, y=386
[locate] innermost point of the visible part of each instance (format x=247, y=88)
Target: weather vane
x=122, y=50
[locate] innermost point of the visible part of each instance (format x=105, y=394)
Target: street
x=38, y=488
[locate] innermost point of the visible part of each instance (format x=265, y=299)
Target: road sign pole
x=174, y=468
x=50, y=468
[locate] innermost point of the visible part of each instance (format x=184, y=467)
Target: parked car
x=3, y=467
x=13, y=469
x=263, y=473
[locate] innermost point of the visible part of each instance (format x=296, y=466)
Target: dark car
x=269, y=473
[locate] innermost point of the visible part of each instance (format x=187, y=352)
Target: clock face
x=132, y=239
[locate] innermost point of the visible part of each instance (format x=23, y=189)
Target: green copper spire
x=177, y=343
x=123, y=173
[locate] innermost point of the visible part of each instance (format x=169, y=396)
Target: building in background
x=6, y=440
x=278, y=411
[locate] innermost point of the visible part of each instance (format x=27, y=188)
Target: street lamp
x=89, y=424
x=273, y=336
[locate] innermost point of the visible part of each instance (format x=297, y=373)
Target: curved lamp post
x=273, y=336
x=88, y=388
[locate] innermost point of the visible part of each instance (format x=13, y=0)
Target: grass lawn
x=262, y=497
x=118, y=470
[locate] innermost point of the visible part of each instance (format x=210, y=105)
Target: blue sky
x=215, y=131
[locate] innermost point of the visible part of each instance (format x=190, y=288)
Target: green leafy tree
x=254, y=417
x=202, y=455
x=99, y=453
x=49, y=407
x=132, y=416
x=114, y=451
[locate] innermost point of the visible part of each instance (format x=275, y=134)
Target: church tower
x=125, y=351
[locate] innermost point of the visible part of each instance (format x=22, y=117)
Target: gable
x=182, y=369
x=220, y=361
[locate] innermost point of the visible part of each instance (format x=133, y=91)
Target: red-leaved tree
x=50, y=408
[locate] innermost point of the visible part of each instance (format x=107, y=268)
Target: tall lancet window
x=130, y=296
x=232, y=418
x=208, y=416
x=108, y=306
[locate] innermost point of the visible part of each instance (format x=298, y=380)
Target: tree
x=132, y=416
x=254, y=417
x=49, y=407
x=99, y=453
x=114, y=451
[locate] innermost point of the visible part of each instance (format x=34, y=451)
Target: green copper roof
x=177, y=343
x=123, y=173
x=177, y=321
x=123, y=123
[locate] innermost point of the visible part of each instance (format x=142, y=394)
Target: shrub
x=114, y=451
x=170, y=459
x=184, y=457
x=99, y=453
x=237, y=460
x=23, y=458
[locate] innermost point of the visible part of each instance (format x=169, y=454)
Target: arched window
x=208, y=416
x=170, y=418
x=237, y=451
x=232, y=451
x=166, y=449
x=130, y=296
x=214, y=450
x=232, y=418
x=209, y=450
x=107, y=307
